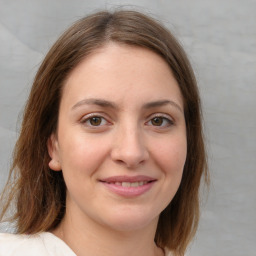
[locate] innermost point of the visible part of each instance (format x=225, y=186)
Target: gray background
x=220, y=38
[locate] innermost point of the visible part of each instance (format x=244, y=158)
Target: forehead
x=117, y=71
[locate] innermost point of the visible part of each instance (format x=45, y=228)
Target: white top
x=41, y=244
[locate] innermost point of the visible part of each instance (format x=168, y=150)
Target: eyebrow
x=92, y=101
x=109, y=104
x=161, y=103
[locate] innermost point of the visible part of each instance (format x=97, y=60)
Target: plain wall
x=220, y=39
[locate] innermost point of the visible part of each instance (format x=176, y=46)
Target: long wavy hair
x=37, y=192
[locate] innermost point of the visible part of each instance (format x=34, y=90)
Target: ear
x=53, y=151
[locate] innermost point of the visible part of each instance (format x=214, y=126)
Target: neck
x=87, y=238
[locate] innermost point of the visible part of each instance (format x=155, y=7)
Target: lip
x=113, y=184
x=125, y=178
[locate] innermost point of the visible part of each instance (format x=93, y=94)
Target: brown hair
x=38, y=192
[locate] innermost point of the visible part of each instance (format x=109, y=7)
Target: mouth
x=128, y=186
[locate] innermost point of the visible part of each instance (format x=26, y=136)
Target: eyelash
x=163, y=118
x=88, y=118
x=168, y=121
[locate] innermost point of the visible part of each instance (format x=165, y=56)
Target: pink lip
x=109, y=183
x=124, y=178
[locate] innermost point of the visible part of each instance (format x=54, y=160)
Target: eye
x=160, y=121
x=157, y=121
x=94, y=120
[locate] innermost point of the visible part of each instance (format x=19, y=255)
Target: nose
x=129, y=148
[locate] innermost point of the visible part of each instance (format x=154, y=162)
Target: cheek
x=82, y=155
x=171, y=155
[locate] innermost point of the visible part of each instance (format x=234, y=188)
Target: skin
x=117, y=85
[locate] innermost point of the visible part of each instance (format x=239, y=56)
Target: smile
x=128, y=186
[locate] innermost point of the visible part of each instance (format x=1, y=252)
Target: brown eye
x=157, y=121
x=160, y=121
x=95, y=121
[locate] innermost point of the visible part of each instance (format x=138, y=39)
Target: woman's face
x=121, y=138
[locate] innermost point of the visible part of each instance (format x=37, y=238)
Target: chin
x=131, y=221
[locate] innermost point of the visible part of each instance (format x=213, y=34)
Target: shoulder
x=167, y=252
x=42, y=244
x=11, y=245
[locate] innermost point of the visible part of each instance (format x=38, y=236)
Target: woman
x=111, y=153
